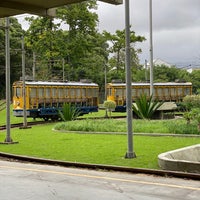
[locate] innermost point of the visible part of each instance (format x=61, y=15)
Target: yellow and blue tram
x=44, y=99
x=168, y=91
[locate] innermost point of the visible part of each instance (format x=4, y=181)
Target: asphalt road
x=24, y=181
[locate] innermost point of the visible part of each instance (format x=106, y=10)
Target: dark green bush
x=145, y=108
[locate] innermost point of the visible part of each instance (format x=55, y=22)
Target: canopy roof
x=38, y=7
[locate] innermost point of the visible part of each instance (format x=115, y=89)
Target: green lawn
x=42, y=141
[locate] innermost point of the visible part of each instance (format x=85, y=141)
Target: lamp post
x=130, y=153
x=151, y=47
x=8, y=139
x=24, y=87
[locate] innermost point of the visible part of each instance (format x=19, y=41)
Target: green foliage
x=191, y=101
x=188, y=116
x=116, y=62
x=164, y=73
x=145, y=108
x=68, y=112
x=16, y=33
x=194, y=114
x=195, y=79
x=42, y=142
x=179, y=127
x=109, y=105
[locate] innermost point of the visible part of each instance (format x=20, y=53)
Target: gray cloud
x=176, y=27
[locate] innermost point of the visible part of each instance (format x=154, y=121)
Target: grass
x=41, y=141
x=174, y=126
x=13, y=119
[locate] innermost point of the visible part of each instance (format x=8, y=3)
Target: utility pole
x=34, y=65
x=146, y=68
x=151, y=47
x=24, y=87
x=8, y=139
x=130, y=153
x=63, y=67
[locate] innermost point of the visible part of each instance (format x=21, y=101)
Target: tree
x=117, y=61
x=109, y=106
x=45, y=39
x=82, y=47
x=195, y=79
x=87, y=47
x=16, y=33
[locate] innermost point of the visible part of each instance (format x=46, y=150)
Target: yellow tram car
x=168, y=91
x=44, y=99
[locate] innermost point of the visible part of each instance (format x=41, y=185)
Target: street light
x=151, y=47
x=8, y=139
x=130, y=153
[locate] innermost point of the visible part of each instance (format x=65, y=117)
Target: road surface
x=26, y=181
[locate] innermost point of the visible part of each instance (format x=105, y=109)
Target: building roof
x=38, y=7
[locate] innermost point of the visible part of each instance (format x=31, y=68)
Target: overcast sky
x=176, y=27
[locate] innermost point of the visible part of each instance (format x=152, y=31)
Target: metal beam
x=38, y=7
x=116, y=2
x=27, y=8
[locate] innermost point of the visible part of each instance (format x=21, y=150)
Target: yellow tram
x=168, y=91
x=43, y=99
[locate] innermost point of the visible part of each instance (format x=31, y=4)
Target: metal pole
x=129, y=153
x=63, y=66
x=7, y=40
x=34, y=64
x=24, y=88
x=146, y=68
x=105, y=82
x=151, y=48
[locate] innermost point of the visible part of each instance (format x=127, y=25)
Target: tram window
x=133, y=92
x=60, y=92
x=187, y=91
x=140, y=92
x=66, y=90
x=83, y=92
x=146, y=91
x=96, y=92
x=119, y=92
x=89, y=92
x=108, y=92
x=54, y=92
x=40, y=92
x=18, y=92
x=179, y=91
x=166, y=92
x=33, y=93
x=48, y=92
x=73, y=92
x=78, y=92
x=159, y=90
x=173, y=91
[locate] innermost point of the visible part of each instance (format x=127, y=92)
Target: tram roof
x=49, y=83
x=155, y=84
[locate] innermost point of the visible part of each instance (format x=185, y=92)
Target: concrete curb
x=124, y=133
x=185, y=159
x=163, y=173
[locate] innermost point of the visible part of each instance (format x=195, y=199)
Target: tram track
x=18, y=125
